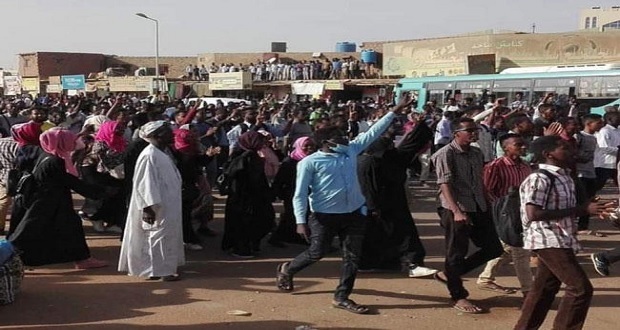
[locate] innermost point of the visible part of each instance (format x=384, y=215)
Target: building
x=43, y=65
x=601, y=19
x=461, y=54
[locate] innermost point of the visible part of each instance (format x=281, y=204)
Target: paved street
x=214, y=284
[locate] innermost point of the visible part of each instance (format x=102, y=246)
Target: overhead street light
x=156, y=46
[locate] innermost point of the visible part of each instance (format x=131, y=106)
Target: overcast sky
x=190, y=27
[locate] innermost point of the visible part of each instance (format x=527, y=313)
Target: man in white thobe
x=153, y=240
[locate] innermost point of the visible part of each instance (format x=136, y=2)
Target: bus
x=596, y=88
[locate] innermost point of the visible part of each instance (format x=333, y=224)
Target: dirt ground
x=215, y=283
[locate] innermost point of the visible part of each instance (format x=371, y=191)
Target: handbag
x=507, y=218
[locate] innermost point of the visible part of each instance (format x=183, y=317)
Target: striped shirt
x=462, y=171
x=8, y=150
x=502, y=174
x=537, y=190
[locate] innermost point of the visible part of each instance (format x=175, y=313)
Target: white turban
x=147, y=130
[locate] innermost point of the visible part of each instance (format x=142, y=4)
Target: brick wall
x=45, y=64
x=175, y=64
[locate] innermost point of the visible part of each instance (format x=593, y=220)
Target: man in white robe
x=153, y=240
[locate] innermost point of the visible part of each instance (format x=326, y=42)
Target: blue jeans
x=324, y=227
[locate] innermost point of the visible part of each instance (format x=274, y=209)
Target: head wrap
x=147, y=130
x=60, y=142
x=251, y=141
x=185, y=141
x=96, y=121
x=27, y=133
x=298, y=153
x=107, y=134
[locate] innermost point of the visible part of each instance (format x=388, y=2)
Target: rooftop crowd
x=517, y=180
x=275, y=70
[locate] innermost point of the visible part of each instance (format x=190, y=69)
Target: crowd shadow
x=240, y=325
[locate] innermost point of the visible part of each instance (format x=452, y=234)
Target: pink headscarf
x=298, y=152
x=185, y=141
x=27, y=133
x=60, y=142
x=107, y=134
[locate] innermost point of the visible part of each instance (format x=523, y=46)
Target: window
x=587, y=22
x=612, y=25
x=594, y=19
x=590, y=87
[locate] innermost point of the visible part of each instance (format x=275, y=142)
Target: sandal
x=466, y=307
x=440, y=279
x=350, y=306
x=284, y=281
x=494, y=287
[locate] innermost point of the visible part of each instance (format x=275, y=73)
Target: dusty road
x=214, y=283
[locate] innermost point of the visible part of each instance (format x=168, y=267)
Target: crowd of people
x=148, y=171
x=273, y=70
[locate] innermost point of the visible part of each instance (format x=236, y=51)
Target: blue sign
x=76, y=82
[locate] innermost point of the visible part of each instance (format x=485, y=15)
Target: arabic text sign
x=74, y=82
x=131, y=84
x=31, y=84
x=230, y=81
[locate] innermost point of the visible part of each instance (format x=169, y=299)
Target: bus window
x=590, y=87
x=611, y=87
x=473, y=89
x=437, y=96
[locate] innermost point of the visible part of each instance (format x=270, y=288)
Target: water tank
x=346, y=47
x=369, y=56
x=278, y=47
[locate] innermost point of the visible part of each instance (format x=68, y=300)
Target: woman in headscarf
x=269, y=155
x=104, y=166
x=190, y=162
x=249, y=214
x=27, y=137
x=50, y=231
x=284, y=188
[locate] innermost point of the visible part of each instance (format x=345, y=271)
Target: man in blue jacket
x=327, y=182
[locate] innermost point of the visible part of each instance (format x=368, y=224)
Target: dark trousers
x=481, y=231
x=603, y=175
x=557, y=266
x=324, y=227
x=589, y=187
x=611, y=256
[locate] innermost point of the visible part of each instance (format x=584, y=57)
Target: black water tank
x=278, y=47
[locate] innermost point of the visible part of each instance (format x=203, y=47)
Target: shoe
x=114, y=229
x=98, y=226
x=90, y=263
x=242, y=255
x=193, y=247
x=600, y=265
x=421, y=271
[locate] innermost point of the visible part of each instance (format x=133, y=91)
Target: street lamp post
x=156, y=47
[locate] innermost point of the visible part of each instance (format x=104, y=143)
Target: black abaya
x=391, y=239
x=48, y=230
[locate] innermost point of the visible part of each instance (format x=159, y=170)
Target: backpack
x=506, y=213
x=22, y=182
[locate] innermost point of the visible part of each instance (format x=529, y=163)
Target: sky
x=191, y=27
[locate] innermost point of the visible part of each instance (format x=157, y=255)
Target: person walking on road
x=328, y=179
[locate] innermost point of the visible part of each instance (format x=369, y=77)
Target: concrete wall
x=176, y=64
x=45, y=64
